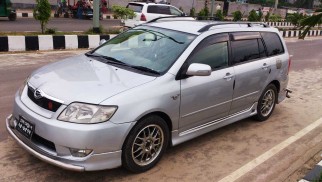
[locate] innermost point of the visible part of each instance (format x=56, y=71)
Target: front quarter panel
x=160, y=95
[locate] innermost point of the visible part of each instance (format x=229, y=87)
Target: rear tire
x=266, y=103
x=12, y=17
x=145, y=144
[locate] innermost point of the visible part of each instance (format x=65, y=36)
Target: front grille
x=43, y=102
x=43, y=142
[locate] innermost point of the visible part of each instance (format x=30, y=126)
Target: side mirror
x=102, y=41
x=197, y=69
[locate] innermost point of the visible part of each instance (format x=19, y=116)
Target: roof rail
x=249, y=24
x=166, y=17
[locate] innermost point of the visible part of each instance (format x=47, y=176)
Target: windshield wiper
x=112, y=60
x=145, y=69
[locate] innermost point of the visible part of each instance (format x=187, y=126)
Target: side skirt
x=180, y=137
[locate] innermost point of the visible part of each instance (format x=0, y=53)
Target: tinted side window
x=214, y=55
x=273, y=43
x=244, y=50
x=159, y=9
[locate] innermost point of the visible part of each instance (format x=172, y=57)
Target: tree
x=253, y=16
x=295, y=18
x=219, y=15
x=42, y=13
x=192, y=12
x=122, y=12
x=237, y=16
x=310, y=22
x=267, y=17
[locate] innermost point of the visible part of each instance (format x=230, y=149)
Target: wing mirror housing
x=197, y=69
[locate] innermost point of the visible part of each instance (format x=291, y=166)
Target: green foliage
x=275, y=18
x=253, y=16
x=50, y=31
x=237, y=16
x=91, y=31
x=122, y=12
x=219, y=15
x=42, y=13
x=308, y=23
x=260, y=15
x=267, y=16
x=295, y=18
x=203, y=14
x=193, y=12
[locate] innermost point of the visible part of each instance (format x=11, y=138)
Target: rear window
x=135, y=7
x=159, y=9
x=273, y=43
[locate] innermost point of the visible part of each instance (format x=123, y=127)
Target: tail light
x=143, y=18
x=289, y=65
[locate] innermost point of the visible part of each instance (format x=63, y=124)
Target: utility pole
x=212, y=8
x=276, y=3
x=96, y=14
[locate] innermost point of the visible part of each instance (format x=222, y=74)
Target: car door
x=207, y=98
x=251, y=67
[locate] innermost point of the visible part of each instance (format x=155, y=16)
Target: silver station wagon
x=151, y=87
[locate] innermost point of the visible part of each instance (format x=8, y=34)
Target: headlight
x=87, y=113
x=23, y=86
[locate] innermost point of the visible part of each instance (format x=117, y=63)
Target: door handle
x=228, y=76
x=265, y=66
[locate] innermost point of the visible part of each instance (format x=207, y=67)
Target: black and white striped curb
x=314, y=174
x=296, y=33
x=49, y=42
x=30, y=15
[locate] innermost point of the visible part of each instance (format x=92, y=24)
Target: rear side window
x=159, y=9
x=273, y=43
x=244, y=50
x=135, y=7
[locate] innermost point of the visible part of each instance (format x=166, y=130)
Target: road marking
x=265, y=156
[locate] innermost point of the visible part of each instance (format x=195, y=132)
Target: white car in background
x=148, y=11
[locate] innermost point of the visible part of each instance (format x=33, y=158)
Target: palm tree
x=310, y=22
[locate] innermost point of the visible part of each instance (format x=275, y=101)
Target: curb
x=313, y=174
x=30, y=15
x=49, y=42
x=296, y=33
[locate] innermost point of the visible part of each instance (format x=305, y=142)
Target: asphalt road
x=60, y=24
x=210, y=157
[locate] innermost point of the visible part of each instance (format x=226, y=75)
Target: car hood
x=83, y=79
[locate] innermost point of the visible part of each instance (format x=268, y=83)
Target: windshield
x=153, y=48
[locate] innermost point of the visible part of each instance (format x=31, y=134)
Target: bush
x=42, y=13
x=122, y=12
x=91, y=31
x=203, y=14
x=219, y=15
x=253, y=16
x=295, y=18
x=275, y=18
x=237, y=16
x=50, y=31
x=193, y=12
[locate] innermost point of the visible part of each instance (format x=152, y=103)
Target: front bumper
x=105, y=139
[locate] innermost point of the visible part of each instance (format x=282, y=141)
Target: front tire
x=266, y=103
x=145, y=144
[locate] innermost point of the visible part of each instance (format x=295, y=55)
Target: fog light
x=12, y=121
x=80, y=152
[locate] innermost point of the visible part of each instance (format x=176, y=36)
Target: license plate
x=25, y=127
